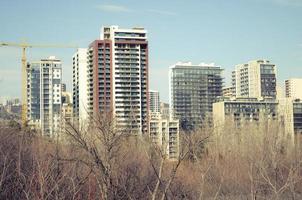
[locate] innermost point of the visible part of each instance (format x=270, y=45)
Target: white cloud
x=121, y=9
x=162, y=12
x=113, y=8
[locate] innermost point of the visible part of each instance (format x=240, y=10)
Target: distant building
x=165, y=134
x=67, y=115
x=44, y=89
x=242, y=110
x=293, y=88
x=255, y=79
x=118, y=77
x=66, y=97
x=228, y=92
x=63, y=87
x=193, y=89
x=80, y=86
x=14, y=107
x=165, y=110
x=15, y=101
x=280, y=92
x=67, y=109
x=285, y=111
x=154, y=101
x=297, y=115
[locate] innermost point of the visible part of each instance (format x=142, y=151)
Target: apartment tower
x=80, y=86
x=44, y=89
x=154, y=101
x=292, y=88
x=255, y=79
x=118, y=77
x=193, y=89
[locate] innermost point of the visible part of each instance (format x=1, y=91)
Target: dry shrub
x=100, y=162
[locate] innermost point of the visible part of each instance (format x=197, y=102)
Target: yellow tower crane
x=24, y=46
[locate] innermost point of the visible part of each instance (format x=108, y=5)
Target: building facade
x=154, y=101
x=80, y=87
x=285, y=111
x=165, y=134
x=255, y=79
x=292, y=88
x=118, y=77
x=193, y=90
x=297, y=115
x=44, y=89
x=165, y=110
x=228, y=92
x=242, y=110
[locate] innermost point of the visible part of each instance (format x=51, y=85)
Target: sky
x=212, y=31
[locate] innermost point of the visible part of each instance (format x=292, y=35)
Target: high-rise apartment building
x=292, y=88
x=80, y=86
x=193, y=89
x=118, y=77
x=255, y=79
x=44, y=89
x=154, y=101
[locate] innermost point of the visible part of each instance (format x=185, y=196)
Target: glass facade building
x=193, y=89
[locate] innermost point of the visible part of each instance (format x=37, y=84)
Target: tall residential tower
x=80, y=86
x=44, y=89
x=118, y=77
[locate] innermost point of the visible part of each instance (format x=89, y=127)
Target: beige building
x=164, y=110
x=293, y=88
x=66, y=115
x=228, y=91
x=243, y=109
x=165, y=134
x=255, y=79
x=287, y=112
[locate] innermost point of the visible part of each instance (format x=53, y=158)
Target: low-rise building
x=165, y=134
x=228, y=91
x=287, y=112
x=243, y=109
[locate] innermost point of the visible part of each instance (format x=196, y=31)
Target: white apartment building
x=255, y=79
x=80, y=86
x=293, y=88
x=165, y=134
x=118, y=77
x=44, y=93
x=154, y=101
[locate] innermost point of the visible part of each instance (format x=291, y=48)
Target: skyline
x=219, y=32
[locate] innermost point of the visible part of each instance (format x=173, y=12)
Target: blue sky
x=224, y=32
